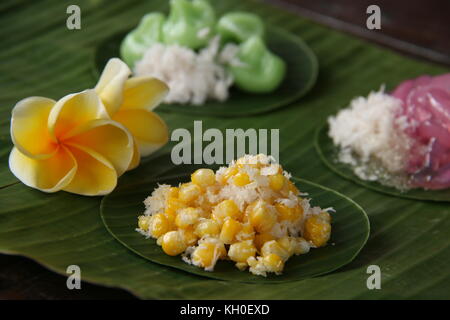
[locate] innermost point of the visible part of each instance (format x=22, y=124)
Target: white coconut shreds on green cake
x=368, y=138
x=193, y=77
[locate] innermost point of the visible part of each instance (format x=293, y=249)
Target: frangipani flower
x=130, y=102
x=70, y=145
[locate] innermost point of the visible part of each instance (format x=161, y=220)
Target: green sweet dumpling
x=258, y=70
x=147, y=33
x=190, y=23
x=240, y=26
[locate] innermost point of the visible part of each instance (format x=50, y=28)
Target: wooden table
x=417, y=28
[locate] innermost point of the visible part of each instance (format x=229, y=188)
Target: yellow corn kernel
x=273, y=263
x=203, y=177
x=143, y=222
x=292, y=187
x=230, y=172
x=289, y=244
x=280, y=169
x=207, y=254
x=294, y=245
x=173, y=192
x=262, y=238
x=317, y=230
x=287, y=213
x=241, y=179
x=187, y=217
x=229, y=230
x=189, y=236
x=226, y=208
x=284, y=212
x=241, y=265
x=261, y=217
x=189, y=192
x=172, y=243
x=207, y=227
x=268, y=199
x=276, y=182
x=159, y=225
x=205, y=209
x=173, y=205
x=247, y=232
x=245, y=217
x=241, y=251
x=325, y=216
x=274, y=247
x=203, y=256
x=298, y=212
x=170, y=216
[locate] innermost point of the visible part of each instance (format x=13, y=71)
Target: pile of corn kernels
x=249, y=212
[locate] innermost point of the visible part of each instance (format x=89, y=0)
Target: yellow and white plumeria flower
x=85, y=141
x=70, y=144
x=130, y=101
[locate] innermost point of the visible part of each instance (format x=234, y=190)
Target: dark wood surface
x=24, y=279
x=420, y=28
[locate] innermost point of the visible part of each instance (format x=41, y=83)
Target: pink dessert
x=401, y=139
x=426, y=110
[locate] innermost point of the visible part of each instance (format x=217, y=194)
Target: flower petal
x=108, y=138
x=148, y=129
x=95, y=176
x=111, y=84
x=143, y=93
x=48, y=175
x=136, y=157
x=73, y=111
x=29, y=131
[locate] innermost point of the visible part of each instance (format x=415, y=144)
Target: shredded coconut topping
x=192, y=77
x=368, y=130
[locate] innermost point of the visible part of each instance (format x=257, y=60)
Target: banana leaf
x=350, y=231
x=409, y=239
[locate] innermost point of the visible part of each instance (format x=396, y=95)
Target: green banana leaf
x=300, y=77
x=6, y=177
x=409, y=239
x=328, y=152
x=350, y=231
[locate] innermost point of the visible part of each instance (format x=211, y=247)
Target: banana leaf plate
x=350, y=230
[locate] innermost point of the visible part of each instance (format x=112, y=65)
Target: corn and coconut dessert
x=249, y=212
x=400, y=139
